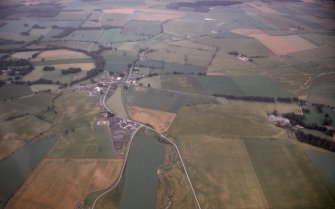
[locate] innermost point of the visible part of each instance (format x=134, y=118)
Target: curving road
x=126, y=157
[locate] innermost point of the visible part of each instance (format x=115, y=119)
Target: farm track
x=128, y=150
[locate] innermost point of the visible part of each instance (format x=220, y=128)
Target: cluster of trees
x=299, y=120
x=258, y=98
x=287, y=99
x=235, y=54
x=16, y=116
x=48, y=68
x=315, y=140
x=90, y=74
x=71, y=70
x=247, y=98
x=64, y=33
x=14, y=62
x=15, y=67
x=2, y=83
x=326, y=120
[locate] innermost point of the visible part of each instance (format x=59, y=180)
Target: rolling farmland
x=166, y=65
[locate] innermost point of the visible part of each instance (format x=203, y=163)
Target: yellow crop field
x=60, y=183
x=160, y=120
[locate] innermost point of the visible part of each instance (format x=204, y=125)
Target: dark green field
x=12, y=91
x=146, y=156
x=324, y=161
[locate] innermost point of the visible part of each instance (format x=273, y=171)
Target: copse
x=71, y=70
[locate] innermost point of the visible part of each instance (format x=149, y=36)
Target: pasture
x=67, y=183
x=160, y=120
x=283, y=169
x=324, y=161
x=83, y=35
x=229, y=180
x=315, y=117
x=117, y=61
x=73, y=16
x=104, y=142
x=178, y=55
x=17, y=128
x=322, y=90
x=30, y=104
x=233, y=119
x=253, y=164
x=10, y=91
x=319, y=39
x=75, y=122
x=115, y=35
x=163, y=100
x=149, y=28
x=312, y=55
x=173, y=183
x=23, y=55
x=60, y=54
x=146, y=156
x=183, y=27
x=42, y=87
x=116, y=104
x=157, y=14
x=242, y=86
x=153, y=81
x=182, y=83
x=114, y=19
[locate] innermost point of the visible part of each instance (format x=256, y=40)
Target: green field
x=319, y=39
x=118, y=60
x=12, y=91
x=115, y=103
x=315, y=117
x=183, y=27
x=179, y=55
x=154, y=82
x=73, y=16
x=242, y=86
x=62, y=61
x=75, y=122
x=322, y=90
x=83, y=35
x=31, y=104
x=233, y=119
x=104, y=142
x=283, y=169
x=55, y=75
x=146, y=156
x=149, y=28
x=115, y=35
x=182, y=83
x=41, y=87
x=162, y=100
x=17, y=128
x=324, y=161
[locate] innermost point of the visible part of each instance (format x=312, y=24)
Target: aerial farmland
x=145, y=104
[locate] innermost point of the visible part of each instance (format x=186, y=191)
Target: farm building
x=283, y=122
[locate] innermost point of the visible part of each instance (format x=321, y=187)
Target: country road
x=127, y=153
